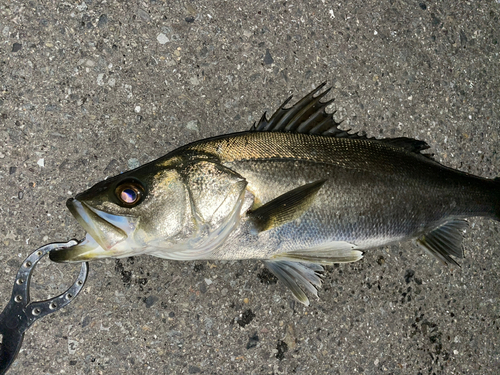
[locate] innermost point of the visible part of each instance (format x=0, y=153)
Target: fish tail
x=497, y=198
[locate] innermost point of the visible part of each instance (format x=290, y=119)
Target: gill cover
x=188, y=208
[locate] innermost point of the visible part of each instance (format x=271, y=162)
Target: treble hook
x=20, y=313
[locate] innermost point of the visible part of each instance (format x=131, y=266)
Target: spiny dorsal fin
x=309, y=116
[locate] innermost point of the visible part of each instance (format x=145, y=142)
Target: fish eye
x=129, y=193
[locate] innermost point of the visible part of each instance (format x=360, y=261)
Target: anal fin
x=300, y=270
x=444, y=241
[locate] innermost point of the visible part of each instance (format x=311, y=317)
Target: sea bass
x=294, y=191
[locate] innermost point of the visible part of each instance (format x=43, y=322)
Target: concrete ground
x=92, y=88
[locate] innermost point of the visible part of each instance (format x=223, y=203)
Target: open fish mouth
x=105, y=233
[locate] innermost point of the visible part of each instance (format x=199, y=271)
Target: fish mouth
x=106, y=234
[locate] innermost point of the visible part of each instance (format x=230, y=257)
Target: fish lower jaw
x=89, y=249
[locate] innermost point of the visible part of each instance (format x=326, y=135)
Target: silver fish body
x=295, y=192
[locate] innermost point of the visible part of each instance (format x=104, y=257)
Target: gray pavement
x=89, y=89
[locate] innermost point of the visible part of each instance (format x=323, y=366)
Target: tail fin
x=496, y=194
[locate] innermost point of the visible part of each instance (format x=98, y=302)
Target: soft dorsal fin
x=309, y=116
x=412, y=145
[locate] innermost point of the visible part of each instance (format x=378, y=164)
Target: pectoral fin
x=444, y=241
x=285, y=208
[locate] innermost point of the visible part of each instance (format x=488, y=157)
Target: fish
x=295, y=191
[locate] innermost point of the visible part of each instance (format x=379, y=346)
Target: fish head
x=122, y=214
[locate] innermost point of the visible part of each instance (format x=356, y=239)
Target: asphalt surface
x=94, y=88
